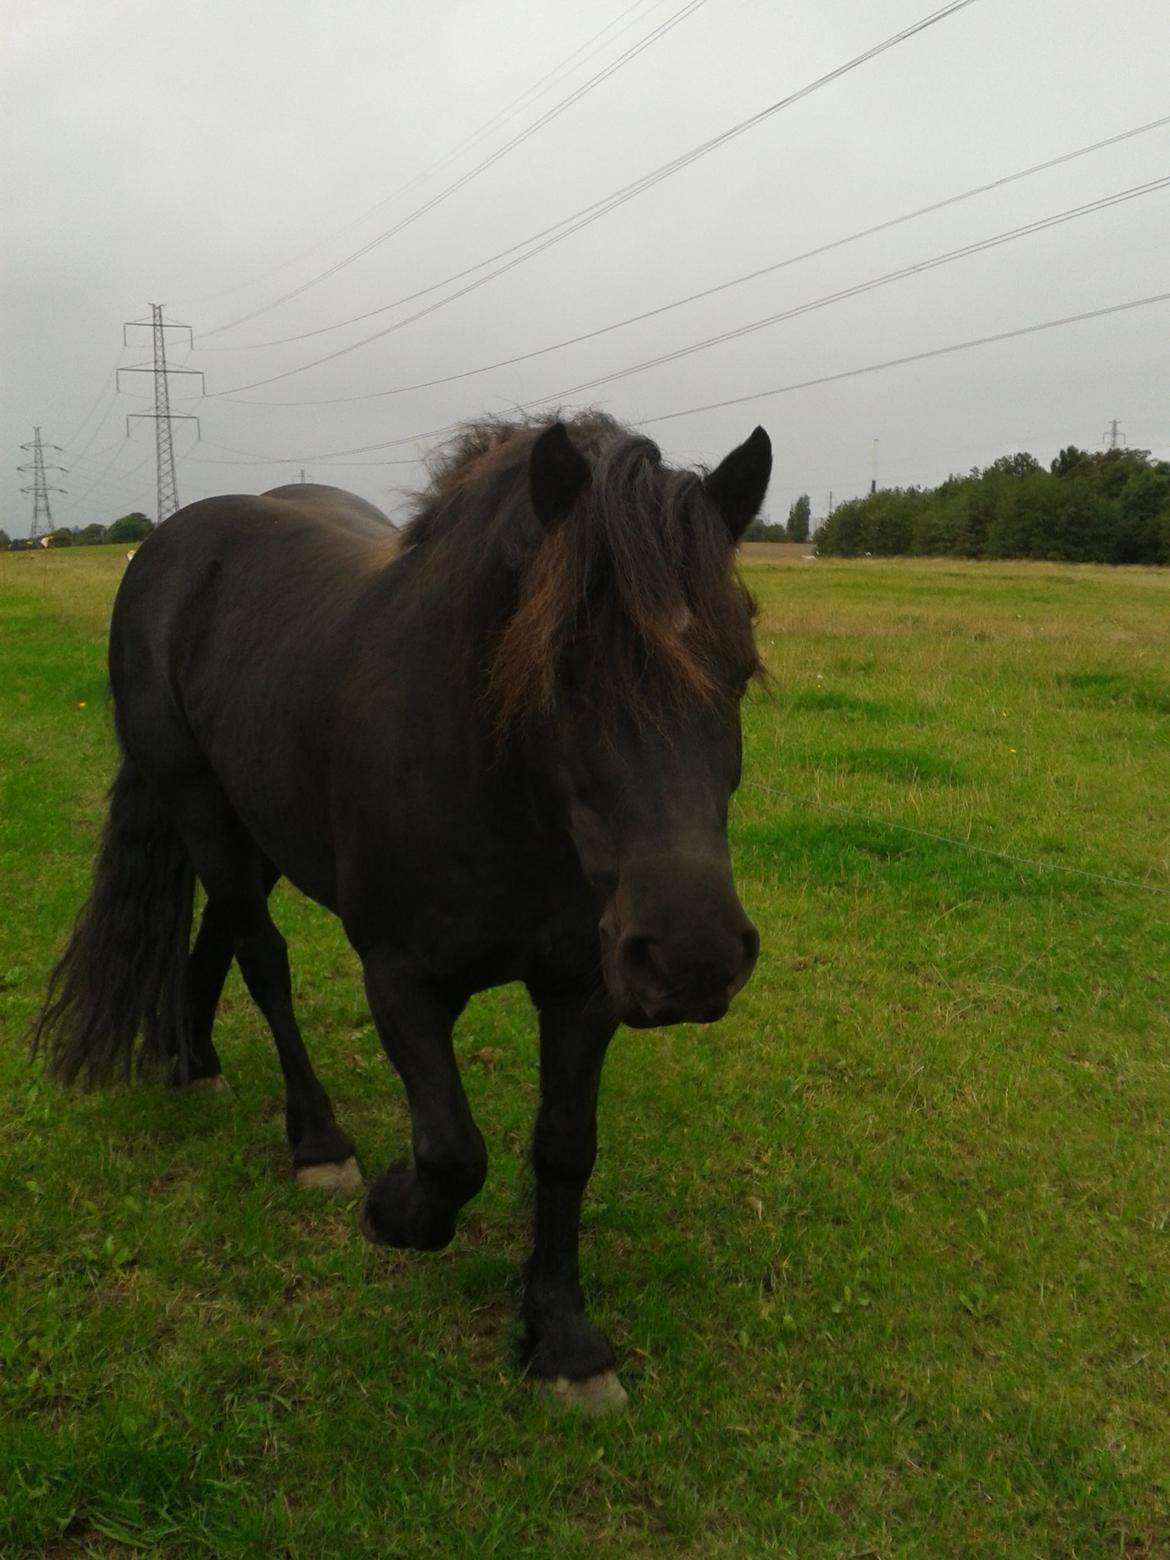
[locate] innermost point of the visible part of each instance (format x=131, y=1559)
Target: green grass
x=884, y=1255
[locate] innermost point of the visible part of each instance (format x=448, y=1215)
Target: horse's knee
x=563, y=1158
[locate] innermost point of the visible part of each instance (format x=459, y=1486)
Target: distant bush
x=1109, y=507
x=761, y=531
x=130, y=528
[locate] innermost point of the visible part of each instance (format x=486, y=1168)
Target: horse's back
x=283, y=524
x=282, y=554
x=231, y=633
x=335, y=507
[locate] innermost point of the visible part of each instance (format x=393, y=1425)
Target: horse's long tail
x=124, y=971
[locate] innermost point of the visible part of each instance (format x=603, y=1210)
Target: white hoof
x=595, y=1395
x=216, y=1085
x=345, y=1177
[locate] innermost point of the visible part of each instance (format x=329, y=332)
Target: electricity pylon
x=40, y=487
x=1113, y=435
x=162, y=416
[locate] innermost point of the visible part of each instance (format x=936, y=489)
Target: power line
x=964, y=251
x=113, y=393
x=509, y=111
x=591, y=213
x=411, y=217
x=737, y=281
x=320, y=457
x=111, y=390
x=330, y=455
x=102, y=480
x=912, y=357
x=101, y=395
x=583, y=218
x=255, y=458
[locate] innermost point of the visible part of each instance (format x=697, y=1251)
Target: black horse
x=498, y=744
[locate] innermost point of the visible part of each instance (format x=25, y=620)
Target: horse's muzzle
x=690, y=977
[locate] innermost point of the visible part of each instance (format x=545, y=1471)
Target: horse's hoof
x=345, y=1177
x=396, y=1213
x=216, y=1085
x=596, y=1395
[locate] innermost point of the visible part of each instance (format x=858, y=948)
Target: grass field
x=885, y=1256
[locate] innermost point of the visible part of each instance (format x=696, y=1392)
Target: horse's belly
x=286, y=817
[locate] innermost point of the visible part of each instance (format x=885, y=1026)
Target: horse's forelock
x=635, y=582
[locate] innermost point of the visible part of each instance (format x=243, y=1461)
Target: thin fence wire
x=958, y=844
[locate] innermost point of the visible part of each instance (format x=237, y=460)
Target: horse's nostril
x=636, y=958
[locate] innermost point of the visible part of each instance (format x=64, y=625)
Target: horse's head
x=642, y=710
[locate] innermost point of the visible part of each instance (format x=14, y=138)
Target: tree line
x=130, y=528
x=799, y=519
x=1112, y=506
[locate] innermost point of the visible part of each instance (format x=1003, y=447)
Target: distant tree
x=1109, y=506
x=61, y=538
x=1021, y=464
x=90, y=535
x=798, y=519
x=130, y=528
x=1070, y=460
x=5, y=541
x=763, y=531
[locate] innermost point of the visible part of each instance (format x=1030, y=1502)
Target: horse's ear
x=558, y=474
x=737, y=485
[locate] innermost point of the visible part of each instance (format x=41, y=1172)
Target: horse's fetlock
x=398, y=1211
x=458, y=1175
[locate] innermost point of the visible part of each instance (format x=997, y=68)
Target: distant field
x=885, y=1256
x=774, y=552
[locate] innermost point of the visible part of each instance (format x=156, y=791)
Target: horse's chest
x=483, y=912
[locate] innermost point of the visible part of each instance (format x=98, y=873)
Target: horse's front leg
x=415, y=1204
x=561, y=1345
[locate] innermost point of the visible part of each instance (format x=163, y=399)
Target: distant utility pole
x=162, y=416
x=40, y=488
x=1111, y=436
x=873, y=477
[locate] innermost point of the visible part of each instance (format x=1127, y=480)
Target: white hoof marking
x=345, y=1177
x=594, y=1395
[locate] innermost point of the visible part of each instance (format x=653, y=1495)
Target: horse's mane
x=631, y=596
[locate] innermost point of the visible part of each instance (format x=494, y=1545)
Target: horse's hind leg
x=237, y=880
x=207, y=970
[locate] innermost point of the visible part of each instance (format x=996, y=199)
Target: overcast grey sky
x=216, y=157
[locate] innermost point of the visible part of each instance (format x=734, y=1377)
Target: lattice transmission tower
x=162, y=416
x=40, y=487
